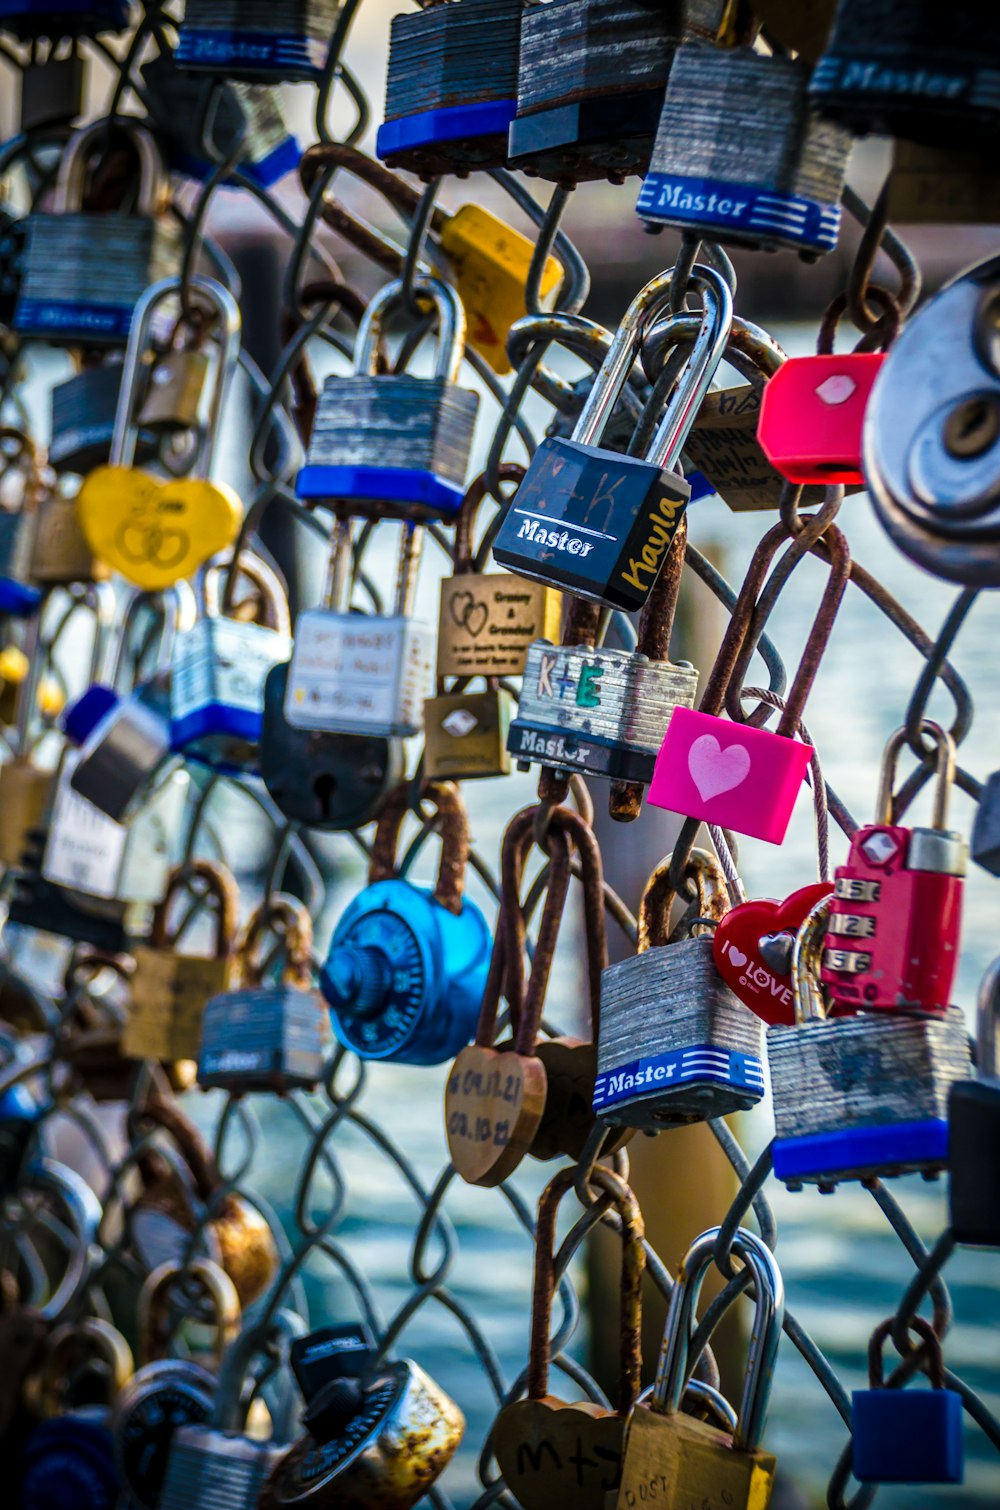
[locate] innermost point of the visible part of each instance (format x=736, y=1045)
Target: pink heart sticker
x=714, y=769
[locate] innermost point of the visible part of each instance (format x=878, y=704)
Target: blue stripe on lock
x=449, y=124
x=753, y=209
x=702, y=1062
x=394, y=484
x=862, y=1151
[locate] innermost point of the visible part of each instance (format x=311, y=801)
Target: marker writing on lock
x=652, y=553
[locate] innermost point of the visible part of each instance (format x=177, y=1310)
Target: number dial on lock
x=493, y=1105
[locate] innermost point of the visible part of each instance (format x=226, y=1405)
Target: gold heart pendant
x=155, y=532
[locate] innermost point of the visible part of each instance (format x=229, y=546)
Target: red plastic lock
x=759, y=984
x=811, y=416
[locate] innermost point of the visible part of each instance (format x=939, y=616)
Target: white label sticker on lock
x=221, y=661
x=359, y=674
x=85, y=847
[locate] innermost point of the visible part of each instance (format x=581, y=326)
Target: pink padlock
x=811, y=416
x=734, y=773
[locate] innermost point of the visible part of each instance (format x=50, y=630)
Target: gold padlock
x=465, y=734
x=60, y=553
x=90, y=1346
x=175, y=392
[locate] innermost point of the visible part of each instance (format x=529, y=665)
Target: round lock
x=382, y=972
x=69, y=1462
x=159, y=1399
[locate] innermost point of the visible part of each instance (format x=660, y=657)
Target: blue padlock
x=19, y=597
x=407, y=967
x=907, y=1436
x=250, y=39
x=69, y=1462
x=70, y=18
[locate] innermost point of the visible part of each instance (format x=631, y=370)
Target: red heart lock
x=738, y=957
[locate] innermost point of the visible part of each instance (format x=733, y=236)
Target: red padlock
x=811, y=416
x=748, y=956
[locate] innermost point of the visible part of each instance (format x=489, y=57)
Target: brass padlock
x=465, y=734
x=85, y=1363
x=175, y=394
x=60, y=553
x=169, y=990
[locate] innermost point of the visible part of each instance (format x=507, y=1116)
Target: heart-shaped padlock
x=747, y=963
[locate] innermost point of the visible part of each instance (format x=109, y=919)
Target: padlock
x=84, y=270
x=675, y=1044
x=907, y=1436
x=176, y=388
x=890, y=67
x=487, y=620
x=167, y=1393
x=22, y=488
x=741, y=156
x=391, y=444
x=670, y=1458
x=25, y=787
x=329, y=782
x=51, y=91
x=859, y=1097
x=267, y=1038
x=589, y=88
x=92, y=1023
x=250, y=117
x=329, y=1355
x=125, y=746
x=932, y=433
x=596, y=522
x=604, y=712
x=973, y=1144
x=153, y=531
x=465, y=734
x=82, y=429
x=170, y=989
x=361, y=673
x=942, y=185
x=752, y=947
x=555, y=1452
x=84, y=1363
x=69, y=1461
x=70, y=18
x=894, y=921
x=270, y=40
x=60, y=555
x=812, y=414
x=406, y=967
x=451, y=87
x=219, y=668
x=748, y=782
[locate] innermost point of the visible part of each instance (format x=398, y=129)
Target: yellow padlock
x=156, y=531
x=491, y=262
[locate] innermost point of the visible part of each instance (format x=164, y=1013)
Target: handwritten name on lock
x=348, y=671
x=488, y=622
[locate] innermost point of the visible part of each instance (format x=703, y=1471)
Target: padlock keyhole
x=324, y=786
x=972, y=428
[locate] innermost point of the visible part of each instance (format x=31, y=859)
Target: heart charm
x=553, y=1454
x=493, y=1103
x=737, y=950
x=155, y=532
x=459, y=605
x=715, y=770
x=568, y=1118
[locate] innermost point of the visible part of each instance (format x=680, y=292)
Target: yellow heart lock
x=154, y=532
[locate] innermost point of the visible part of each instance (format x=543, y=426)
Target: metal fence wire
x=68, y=1258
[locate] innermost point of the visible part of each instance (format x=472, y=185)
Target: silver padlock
x=932, y=433
x=362, y=673
x=271, y=40
x=84, y=271
x=675, y=1045
x=859, y=1097
x=392, y=442
x=83, y=420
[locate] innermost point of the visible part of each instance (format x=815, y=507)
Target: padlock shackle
x=177, y=607
x=943, y=781
x=618, y=1195
x=450, y=322
x=877, y=1341
x=807, y=959
x=674, y=1362
x=819, y=633
x=704, y=870
x=80, y=1205
x=750, y=348
x=585, y=338
x=105, y=1341
x=288, y=919
x=465, y=523
x=272, y=1336
x=988, y=1024
x=124, y=437
x=216, y=1287
x=506, y=971
x=221, y=887
x=154, y=185
x=453, y=823
x=262, y=576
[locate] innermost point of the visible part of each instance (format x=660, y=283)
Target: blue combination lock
x=406, y=969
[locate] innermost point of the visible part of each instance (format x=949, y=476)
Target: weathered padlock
x=740, y=154
x=60, y=555
x=406, y=967
x=167, y=1393
x=973, y=1123
x=556, y=1452
x=889, y=66
x=894, y=921
x=267, y=1038
x=675, y=1044
x=451, y=87
x=465, y=733
x=219, y=669
x=859, y=1097
x=932, y=433
x=673, y=1460
x=157, y=531
x=328, y=1355
x=604, y=712
x=325, y=780
x=22, y=488
x=66, y=18
x=391, y=444
x=83, y=424
x=356, y=673
x=590, y=86
x=592, y=520
x=170, y=989
x=84, y=270
x=747, y=781
x=84, y=1363
x=177, y=384
x=907, y=1436
x=270, y=40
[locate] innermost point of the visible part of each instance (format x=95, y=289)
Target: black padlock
x=327, y=781
x=328, y=1366
x=38, y=903
x=52, y=92
x=974, y=1131
x=74, y=18
x=984, y=845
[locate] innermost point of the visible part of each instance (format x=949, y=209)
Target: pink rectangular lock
x=731, y=772
x=811, y=415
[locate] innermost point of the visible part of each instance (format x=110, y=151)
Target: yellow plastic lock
x=156, y=532
x=491, y=263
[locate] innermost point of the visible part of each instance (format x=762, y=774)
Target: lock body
x=359, y=674
x=974, y=1162
x=214, y=1468
x=492, y=262
x=465, y=735
x=907, y=1436
x=170, y=992
x=270, y=40
x=812, y=416
x=125, y=747
x=217, y=690
x=262, y=1040
x=83, y=423
x=675, y=1045
x=25, y=792
x=675, y=1461
x=18, y=595
x=864, y=1096
x=158, y=1400
x=723, y=447
x=60, y=554
x=600, y=712
x=248, y=116
x=592, y=521
x=894, y=923
x=404, y=976
x=488, y=621
x=740, y=777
